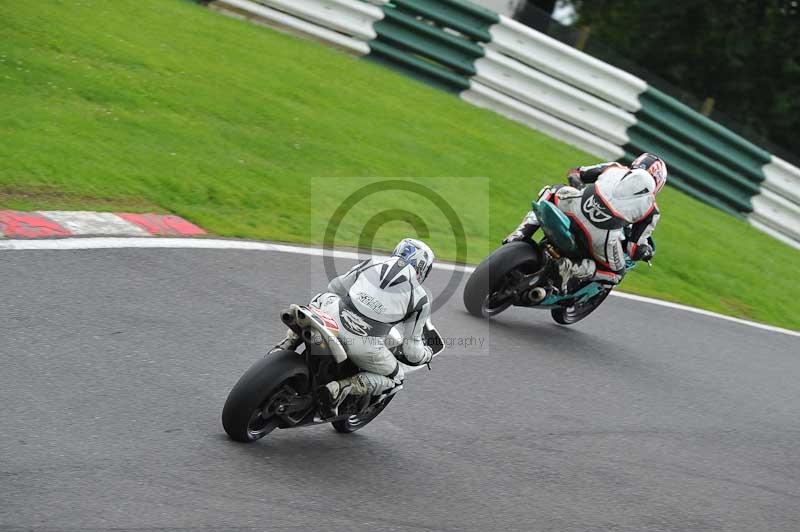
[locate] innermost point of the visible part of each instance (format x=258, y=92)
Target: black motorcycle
x=280, y=390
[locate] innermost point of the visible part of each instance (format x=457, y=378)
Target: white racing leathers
x=614, y=197
x=367, y=302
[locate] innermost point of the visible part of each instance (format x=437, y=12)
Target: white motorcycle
x=280, y=390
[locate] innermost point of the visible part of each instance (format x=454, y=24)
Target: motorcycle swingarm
x=296, y=411
x=549, y=302
x=521, y=285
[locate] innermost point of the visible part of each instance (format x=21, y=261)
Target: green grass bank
x=162, y=105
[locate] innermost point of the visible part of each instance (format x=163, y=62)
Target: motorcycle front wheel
x=359, y=421
x=250, y=412
x=575, y=313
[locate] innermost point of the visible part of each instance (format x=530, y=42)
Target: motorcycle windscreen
x=556, y=227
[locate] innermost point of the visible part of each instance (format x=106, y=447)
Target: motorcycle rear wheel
x=493, y=273
x=356, y=422
x=575, y=313
x=249, y=413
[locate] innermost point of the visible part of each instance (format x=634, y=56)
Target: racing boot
x=525, y=230
x=572, y=274
x=335, y=392
x=289, y=343
x=331, y=396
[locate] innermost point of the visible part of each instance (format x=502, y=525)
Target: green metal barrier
x=414, y=39
x=706, y=159
x=685, y=123
x=461, y=15
x=679, y=182
x=438, y=41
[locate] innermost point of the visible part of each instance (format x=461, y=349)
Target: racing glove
x=574, y=178
x=643, y=252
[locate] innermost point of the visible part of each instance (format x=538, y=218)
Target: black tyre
x=481, y=292
x=248, y=413
x=354, y=423
x=570, y=315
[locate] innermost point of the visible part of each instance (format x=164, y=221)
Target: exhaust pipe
x=536, y=295
x=287, y=317
x=299, y=320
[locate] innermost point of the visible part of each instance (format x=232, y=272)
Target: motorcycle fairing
x=556, y=227
x=580, y=296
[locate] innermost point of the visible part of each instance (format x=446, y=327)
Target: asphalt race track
x=116, y=364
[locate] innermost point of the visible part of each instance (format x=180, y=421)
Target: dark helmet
x=654, y=165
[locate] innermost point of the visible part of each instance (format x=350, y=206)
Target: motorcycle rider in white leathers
x=602, y=201
x=367, y=302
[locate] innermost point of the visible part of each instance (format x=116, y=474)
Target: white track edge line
x=213, y=243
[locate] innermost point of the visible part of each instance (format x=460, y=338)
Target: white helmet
x=417, y=254
x=653, y=165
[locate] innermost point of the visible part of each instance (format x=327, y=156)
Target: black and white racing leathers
x=641, y=215
x=613, y=197
x=367, y=302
